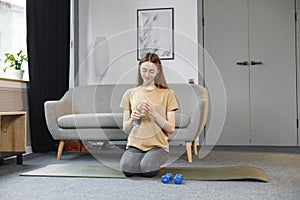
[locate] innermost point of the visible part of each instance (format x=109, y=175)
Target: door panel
x=226, y=41
x=273, y=84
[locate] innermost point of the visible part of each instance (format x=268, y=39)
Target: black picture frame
x=155, y=32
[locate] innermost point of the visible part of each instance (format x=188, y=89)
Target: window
x=12, y=32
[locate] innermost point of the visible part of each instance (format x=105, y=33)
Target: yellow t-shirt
x=149, y=135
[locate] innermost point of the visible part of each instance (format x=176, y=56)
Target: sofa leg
x=195, y=147
x=188, y=146
x=60, y=149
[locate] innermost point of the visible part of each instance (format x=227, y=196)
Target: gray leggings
x=142, y=163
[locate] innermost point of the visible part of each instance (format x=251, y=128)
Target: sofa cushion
x=107, y=120
x=96, y=120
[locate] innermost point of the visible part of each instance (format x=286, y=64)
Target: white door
x=226, y=41
x=273, y=83
x=261, y=98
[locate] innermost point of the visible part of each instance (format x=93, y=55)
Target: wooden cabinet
x=12, y=135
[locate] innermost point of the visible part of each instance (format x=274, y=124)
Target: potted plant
x=15, y=62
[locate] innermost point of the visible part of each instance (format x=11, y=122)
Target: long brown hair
x=159, y=79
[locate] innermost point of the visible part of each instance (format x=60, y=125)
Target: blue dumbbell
x=178, y=179
x=165, y=179
x=170, y=176
x=179, y=175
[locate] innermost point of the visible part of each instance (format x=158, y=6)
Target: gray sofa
x=93, y=112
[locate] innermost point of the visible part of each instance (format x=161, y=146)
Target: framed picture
x=155, y=32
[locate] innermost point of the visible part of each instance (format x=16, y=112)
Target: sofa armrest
x=55, y=109
x=198, y=114
x=204, y=106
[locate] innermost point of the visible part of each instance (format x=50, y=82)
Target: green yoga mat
x=204, y=174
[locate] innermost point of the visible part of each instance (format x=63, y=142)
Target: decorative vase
x=14, y=74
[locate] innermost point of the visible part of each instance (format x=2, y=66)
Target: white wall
x=13, y=34
x=117, y=21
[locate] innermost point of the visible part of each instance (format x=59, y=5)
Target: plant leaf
x=20, y=52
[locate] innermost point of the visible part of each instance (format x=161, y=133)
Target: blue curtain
x=48, y=39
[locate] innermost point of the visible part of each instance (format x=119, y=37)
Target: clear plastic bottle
x=137, y=122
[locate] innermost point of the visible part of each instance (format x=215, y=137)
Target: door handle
x=242, y=63
x=253, y=62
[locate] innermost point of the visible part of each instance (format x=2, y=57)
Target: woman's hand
x=135, y=115
x=147, y=106
x=167, y=124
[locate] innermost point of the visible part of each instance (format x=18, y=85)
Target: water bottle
x=137, y=122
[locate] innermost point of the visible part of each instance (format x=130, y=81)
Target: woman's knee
x=129, y=167
x=130, y=161
x=149, y=166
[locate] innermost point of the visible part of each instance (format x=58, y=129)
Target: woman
x=154, y=104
